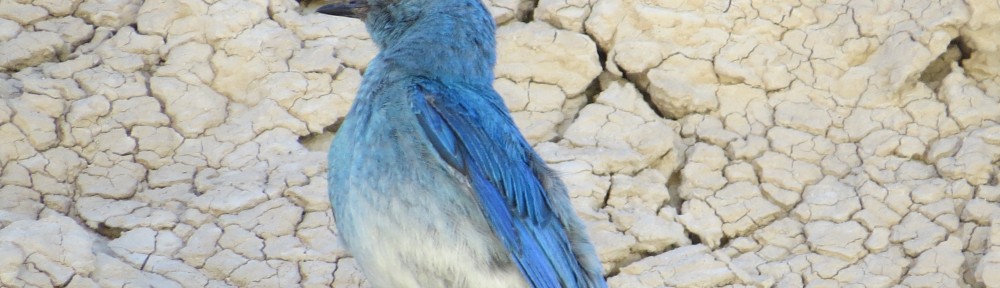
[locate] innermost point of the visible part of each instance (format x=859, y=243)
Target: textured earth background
x=181, y=143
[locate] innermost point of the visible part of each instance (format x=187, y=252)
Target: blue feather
x=499, y=169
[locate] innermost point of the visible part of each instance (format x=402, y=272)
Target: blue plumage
x=431, y=183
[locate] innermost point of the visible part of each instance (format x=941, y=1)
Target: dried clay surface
x=181, y=143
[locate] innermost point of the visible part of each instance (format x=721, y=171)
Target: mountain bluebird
x=431, y=183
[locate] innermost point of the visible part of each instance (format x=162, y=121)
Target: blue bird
x=431, y=183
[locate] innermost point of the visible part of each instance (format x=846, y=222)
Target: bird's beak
x=346, y=8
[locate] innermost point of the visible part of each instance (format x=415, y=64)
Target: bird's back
x=405, y=214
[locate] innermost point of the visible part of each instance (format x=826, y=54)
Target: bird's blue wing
x=475, y=135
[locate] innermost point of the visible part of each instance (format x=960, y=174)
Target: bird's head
x=388, y=16
x=446, y=34
x=387, y=20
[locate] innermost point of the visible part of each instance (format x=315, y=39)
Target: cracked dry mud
x=168, y=143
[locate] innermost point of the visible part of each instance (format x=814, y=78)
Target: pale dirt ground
x=706, y=143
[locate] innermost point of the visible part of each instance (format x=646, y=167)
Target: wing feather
x=479, y=139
